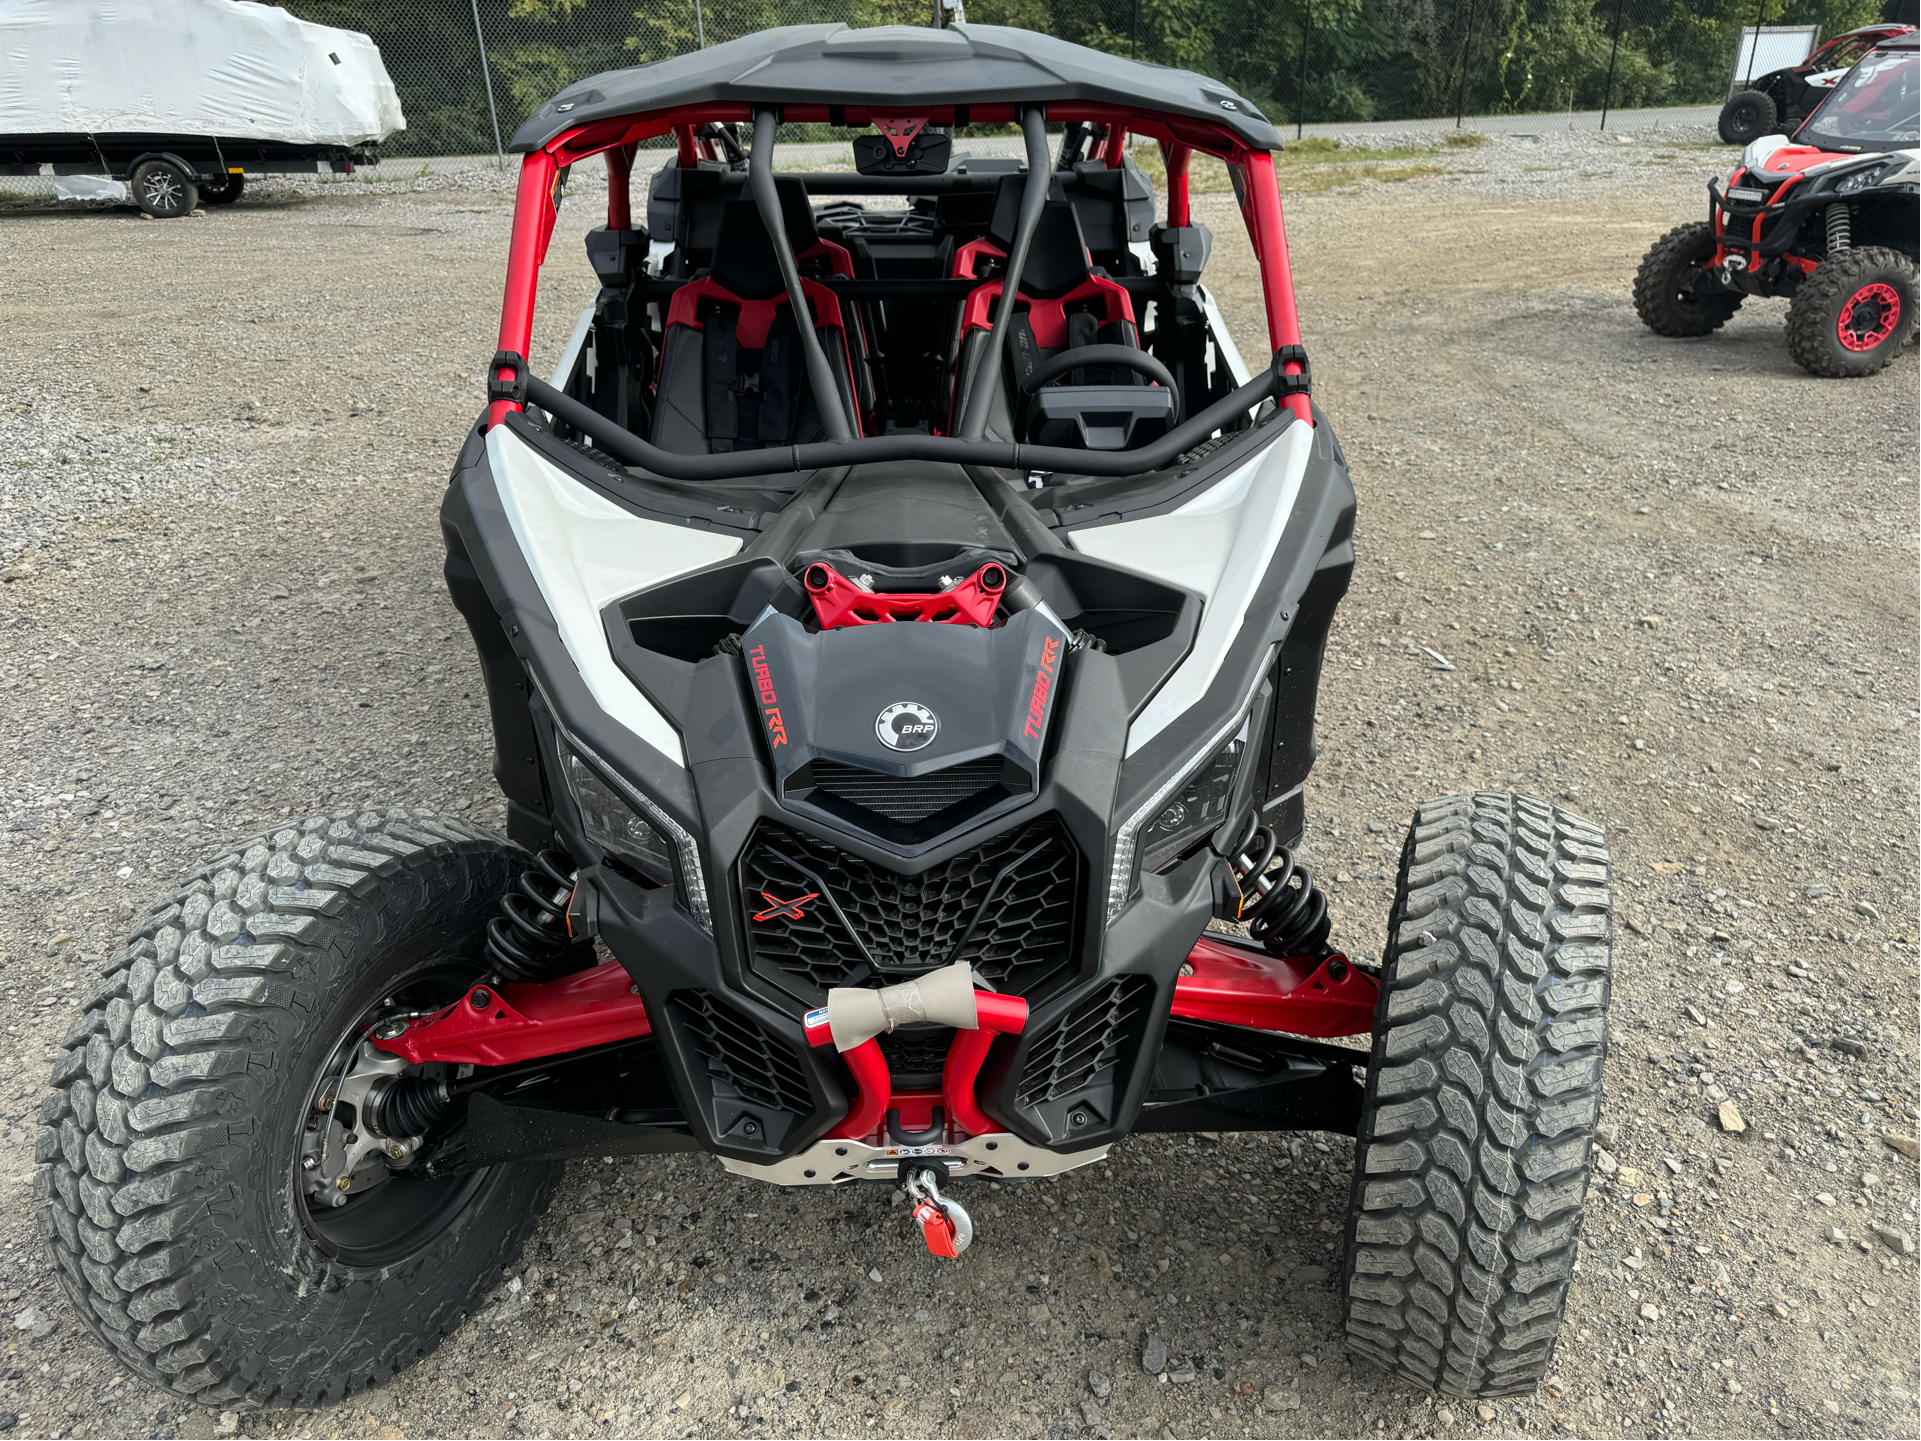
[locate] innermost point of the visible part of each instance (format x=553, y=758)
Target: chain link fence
x=1303, y=61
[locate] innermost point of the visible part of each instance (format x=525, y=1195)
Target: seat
x=732, y=372
x=1062, y=304
x=693, y=202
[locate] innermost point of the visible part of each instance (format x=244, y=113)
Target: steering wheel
x=1126, y=356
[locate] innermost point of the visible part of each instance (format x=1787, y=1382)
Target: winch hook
x=944, y=1224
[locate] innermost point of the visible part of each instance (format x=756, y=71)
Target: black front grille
x=1008, y=907
x=1072, y=1053
x=742, y=1057
x=916, y=1052
x=908, y=799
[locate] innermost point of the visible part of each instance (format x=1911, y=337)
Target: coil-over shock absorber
x=529, y=940
x=1282, y=908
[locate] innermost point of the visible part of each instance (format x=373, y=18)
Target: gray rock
x=1283, y=1398
x=1099, y=1384
x=1154, y=1356
x=1895, y=1239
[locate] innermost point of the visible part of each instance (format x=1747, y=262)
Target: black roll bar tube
x=760, y=179
x=630, y=449
x=1040, y=176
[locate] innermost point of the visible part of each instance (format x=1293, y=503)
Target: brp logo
x=906, y=726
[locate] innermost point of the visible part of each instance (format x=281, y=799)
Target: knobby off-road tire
x=1748, y=116
x=1860, y=298
x=1671, y=292
x=168, y=1188
x=1483, y=1088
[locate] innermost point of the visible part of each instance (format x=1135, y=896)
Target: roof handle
x=820, y=376
x=1040, y=175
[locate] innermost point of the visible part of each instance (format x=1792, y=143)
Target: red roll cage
x=536, y=201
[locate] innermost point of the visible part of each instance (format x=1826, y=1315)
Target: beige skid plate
x=1000, y=1156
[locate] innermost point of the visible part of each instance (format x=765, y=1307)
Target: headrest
x=744, y=259
x=1057, y=260
x=705, y=194
x=1006, y=214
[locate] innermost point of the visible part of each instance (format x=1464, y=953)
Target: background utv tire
x=1852, y=316
x=167, y=1186
x=164, y=190
x=1748, y=116
x=1483, y=1087
x=1672, y=293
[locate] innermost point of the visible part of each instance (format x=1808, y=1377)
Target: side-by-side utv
x=902, y=613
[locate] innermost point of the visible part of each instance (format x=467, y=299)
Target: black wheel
x=219, y=1209
x=1673, y=292
x=1748, y=116
x=1852, y=316
x=164, y=190
x=226, y=193
x=1483, y=1089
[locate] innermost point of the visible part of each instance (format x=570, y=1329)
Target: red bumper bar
x=999, y=1015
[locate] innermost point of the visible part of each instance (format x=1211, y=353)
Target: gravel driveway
x=1673, y=582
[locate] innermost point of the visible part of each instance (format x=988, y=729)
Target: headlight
x=1181, y=814
x=1860, y=179
x=623, y=822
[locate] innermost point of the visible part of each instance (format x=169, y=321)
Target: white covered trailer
x=184, y=98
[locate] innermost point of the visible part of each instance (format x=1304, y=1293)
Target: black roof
x=895, y=65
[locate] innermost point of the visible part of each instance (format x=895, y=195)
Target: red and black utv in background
x=902, y=620
x=1828, y=221
x=1778, y=101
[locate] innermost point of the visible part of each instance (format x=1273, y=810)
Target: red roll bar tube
x=1269, y=233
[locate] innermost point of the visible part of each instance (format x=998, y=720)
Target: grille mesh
x=916, y=1050
x=1007, y=907
x=907, y=799
x=1084, y=1042
x=738, y=1052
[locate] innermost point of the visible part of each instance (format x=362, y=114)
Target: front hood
x=905, y=731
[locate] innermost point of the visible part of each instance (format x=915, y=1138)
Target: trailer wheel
x=193, y=1123
x=225, y=193
x=164, y=190
x=1483, y=1088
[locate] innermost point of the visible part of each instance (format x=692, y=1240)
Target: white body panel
x=189, y=67
x=585, y=551
x=1217, y=328
x=570, y=357
x=1220, y=544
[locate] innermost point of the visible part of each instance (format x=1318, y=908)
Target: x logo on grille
x=790, y=910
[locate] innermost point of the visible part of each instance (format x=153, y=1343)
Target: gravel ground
x=1672, y=582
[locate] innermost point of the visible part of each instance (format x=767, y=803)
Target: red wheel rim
x=1869, y=317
